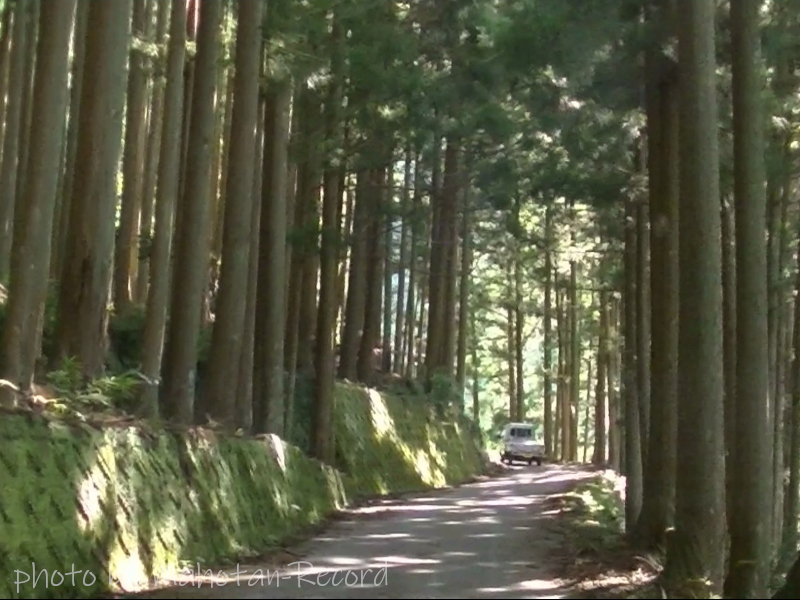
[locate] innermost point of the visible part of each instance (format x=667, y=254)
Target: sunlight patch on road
x=382, y=536
x=422, y=571
x=532, y=585
x=345, y=561
x=398, y=561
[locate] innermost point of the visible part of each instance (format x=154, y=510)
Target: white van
x=518, y=444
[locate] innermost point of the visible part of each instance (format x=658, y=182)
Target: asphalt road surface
x=482, y=540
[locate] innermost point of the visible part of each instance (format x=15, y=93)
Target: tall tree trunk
x=402, y=267
x=26, y=117
x=587, y=413
x=322, y=442
x=601, y=409
x=729, y=342
x=76, y=81
x=370, y=338
x=464, y=295
x=632, y=449
x=355, y=306
x=512, y=364
x=246, y=379
x=155, y=125
x=695, y=555
x=6, y=23
x=519, y=323
x=231, y=305
x=126, y=255
x=83, y=293
x=387, y=239
x=450, y=197
x=270, y=404
x=476, y=368
x=564, y=382
x=192, y=230
x=11, y=165
x=658, y=498
x=752, y=499
x=614, y=429
x=643, y=328
x=415, y=284
x=28, y=284
x=575, y=361
x=547, y=360
x=166, y=193
x=436, y=268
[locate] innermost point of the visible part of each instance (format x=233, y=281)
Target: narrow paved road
x=482, y=540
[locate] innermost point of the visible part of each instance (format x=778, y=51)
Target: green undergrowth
x=598, y=515
x=128, y=503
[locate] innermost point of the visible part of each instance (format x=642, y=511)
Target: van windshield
x=521, y=432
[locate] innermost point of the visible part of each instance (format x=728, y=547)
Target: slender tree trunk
x=601, y=409
x=11, y=165
x=271, y=405
x=587, y=408
x=166, y=193
x=76, y=82
x=575, y=362
x=402, y=266
x=126, y=255
x=752, y=485
x=322, y=442
x=633, y=454
x=547, y=360
x=464, y=296
x=614, y=429
x=244, y=385
x=152, y=157
x=355, y=306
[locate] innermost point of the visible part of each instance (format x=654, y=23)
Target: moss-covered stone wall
x=126, y=504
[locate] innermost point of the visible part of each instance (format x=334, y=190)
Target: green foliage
x=113, y=392
x=68, y=379
x=444, y=393
x=598, y=514
x=499, y=420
